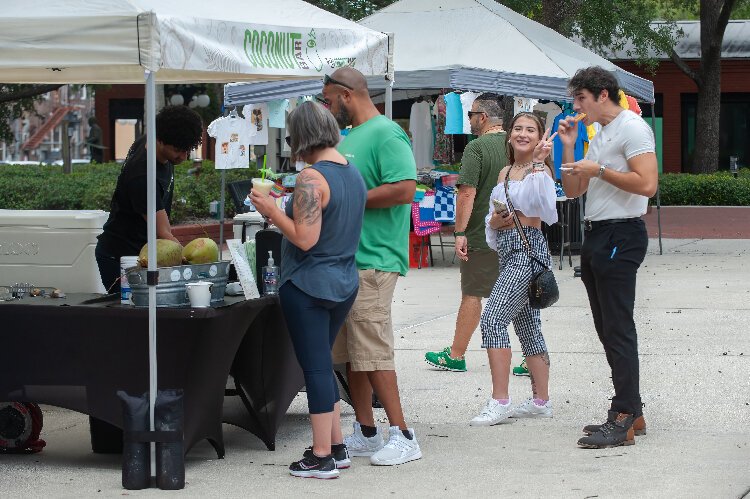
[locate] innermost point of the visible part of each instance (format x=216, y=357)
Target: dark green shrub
x=90, y=187
x=715, y=189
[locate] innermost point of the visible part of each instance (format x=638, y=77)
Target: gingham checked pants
x=509, y=301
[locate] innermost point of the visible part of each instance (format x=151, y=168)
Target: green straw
x=263, y=170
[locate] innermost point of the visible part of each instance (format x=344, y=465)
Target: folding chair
x=423, y=231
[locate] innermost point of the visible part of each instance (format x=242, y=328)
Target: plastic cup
x=263, y=186
x=199, y=294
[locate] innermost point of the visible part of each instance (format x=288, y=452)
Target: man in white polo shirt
x=619, y=174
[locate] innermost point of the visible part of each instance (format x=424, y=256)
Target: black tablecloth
x=76, y=353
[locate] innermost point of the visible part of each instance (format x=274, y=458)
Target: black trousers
x=610, y=258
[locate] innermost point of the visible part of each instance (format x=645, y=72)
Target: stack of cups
x=126, y=262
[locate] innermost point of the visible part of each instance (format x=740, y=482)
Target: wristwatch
x=456, y=234
x=601, y=170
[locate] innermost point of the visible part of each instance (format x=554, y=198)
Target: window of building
x=734, y=129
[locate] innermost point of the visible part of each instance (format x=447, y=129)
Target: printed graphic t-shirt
x=232, y=136
x=381, y=151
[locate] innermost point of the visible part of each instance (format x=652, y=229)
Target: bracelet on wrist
x=460, y=233
x=601, y=170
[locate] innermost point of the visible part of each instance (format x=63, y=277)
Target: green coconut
x=201, y=250
x=168, y=254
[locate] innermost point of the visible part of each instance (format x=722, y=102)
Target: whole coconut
x=168, y=254
x=201, y=250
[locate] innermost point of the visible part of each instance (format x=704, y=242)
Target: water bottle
x=270, y=277
x=126, y=262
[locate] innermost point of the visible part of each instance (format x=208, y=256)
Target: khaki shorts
x=479, y=274
x=366, y=340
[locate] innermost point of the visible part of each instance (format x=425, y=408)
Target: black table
x=77, y=352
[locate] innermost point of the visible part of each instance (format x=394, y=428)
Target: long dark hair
x=539, y=128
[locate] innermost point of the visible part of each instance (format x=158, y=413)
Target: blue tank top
x=328, y=270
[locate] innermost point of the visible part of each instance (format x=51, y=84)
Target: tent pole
x=390, y=77
x=658, y=189
x=151, y=237
x=221, y=211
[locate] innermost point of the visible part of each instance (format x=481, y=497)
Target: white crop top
x=534, y=196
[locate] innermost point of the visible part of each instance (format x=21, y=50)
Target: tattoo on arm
x=307, y=200
x=528, y=171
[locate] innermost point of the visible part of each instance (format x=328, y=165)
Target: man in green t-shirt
x=481, y=163
x=382, y=153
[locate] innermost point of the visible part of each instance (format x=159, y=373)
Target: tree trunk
x=706, y=152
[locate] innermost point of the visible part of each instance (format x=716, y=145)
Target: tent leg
x=221, y=211
x=658, y=196
x=151, y=238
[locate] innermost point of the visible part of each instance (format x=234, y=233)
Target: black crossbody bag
x=543, y=291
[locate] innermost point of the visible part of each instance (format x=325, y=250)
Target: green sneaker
x=521, y=370
x=443, y=360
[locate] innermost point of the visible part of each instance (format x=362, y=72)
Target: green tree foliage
x=351, y=9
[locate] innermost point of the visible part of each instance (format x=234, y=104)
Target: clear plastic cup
x=263, y=186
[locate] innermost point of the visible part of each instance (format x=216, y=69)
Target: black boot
x=170, y=456
x=136, y=456
x=618, y=430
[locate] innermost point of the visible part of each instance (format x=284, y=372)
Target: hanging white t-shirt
x=257, y=116
x=523, y=105
x=467, y=99
x=420, y=127
x=233, y=135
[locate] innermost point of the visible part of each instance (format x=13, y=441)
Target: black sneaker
x=312, y=466
x=340, y=455
x=617, y=431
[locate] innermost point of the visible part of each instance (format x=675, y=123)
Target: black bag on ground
x=136, y=456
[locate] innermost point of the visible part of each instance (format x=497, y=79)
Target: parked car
x=59, y=162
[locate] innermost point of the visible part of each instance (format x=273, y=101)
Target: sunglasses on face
x=327, y=80
x=473, y=113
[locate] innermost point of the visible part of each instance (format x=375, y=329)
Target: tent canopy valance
x=476, y=45
x=114, y=41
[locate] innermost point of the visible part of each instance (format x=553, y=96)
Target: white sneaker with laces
x=360, y=445
x=398, y=450
x=530, y=410
x=492, y=413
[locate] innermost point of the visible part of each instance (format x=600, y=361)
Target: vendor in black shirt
x=178, y=131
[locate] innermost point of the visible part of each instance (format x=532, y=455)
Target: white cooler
x=51, y=248
x=250, y=222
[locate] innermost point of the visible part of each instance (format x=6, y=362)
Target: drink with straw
x=262, y=184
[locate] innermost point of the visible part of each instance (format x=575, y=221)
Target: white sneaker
x=398, y=450
x=530, y=410
x=360, y=445
x=492, y=413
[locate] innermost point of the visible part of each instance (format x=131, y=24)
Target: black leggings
x=313, y=324
x=109, y=270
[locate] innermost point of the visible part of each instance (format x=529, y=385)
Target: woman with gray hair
x=319, y=281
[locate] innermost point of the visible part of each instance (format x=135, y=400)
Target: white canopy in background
x=114, y=41
x=136, y=41
x=476, y=45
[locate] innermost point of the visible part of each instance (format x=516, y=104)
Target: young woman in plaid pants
x=532, y=191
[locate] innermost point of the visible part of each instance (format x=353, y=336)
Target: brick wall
x=671, y=82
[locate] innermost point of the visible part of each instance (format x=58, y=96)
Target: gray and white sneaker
x=530, y=410
x=359, y=445
x=398, y=450
x=492, y=413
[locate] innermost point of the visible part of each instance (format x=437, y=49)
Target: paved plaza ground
x=692, y=315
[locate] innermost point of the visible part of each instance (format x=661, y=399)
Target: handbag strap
x=517, y=222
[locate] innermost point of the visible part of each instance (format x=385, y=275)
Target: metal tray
x=171, y=291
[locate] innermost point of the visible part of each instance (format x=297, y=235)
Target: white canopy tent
x=137, y=41
x=477, y=45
